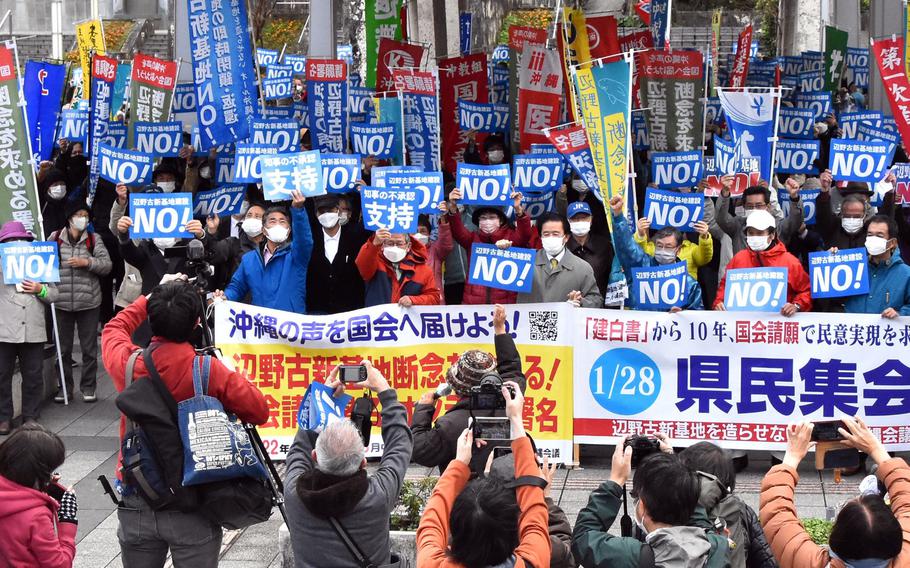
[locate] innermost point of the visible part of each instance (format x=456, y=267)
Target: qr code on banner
x=544, y=326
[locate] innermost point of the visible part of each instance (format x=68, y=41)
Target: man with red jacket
x=494, y=229
x=395, y=271
x=173, y=312
x=763, y=250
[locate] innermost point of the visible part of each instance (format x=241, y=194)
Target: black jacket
x=435, y=444
x=336, y=287
x=153, y=265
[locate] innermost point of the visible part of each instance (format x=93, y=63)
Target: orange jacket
x=381, y=285
x=799, y=290
x=789, y=541
x=533, y=537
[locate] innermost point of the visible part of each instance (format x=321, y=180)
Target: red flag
x=741, y=63
x=603, y=37
x=539, y=94
x=393, y=54
x=462, y=78
x=643, y=8
x=568, y=138
x=890, y=56
x=519, y=35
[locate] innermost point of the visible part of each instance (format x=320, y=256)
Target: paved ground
x=90, y=432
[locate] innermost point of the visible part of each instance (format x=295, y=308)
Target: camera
x=492, y=428
x=196, y=265
x=827, y=431
x=488, y=394
x=352, y=373
x=642, y=447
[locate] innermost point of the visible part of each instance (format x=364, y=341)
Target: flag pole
x=704, y=112
x=774, y=139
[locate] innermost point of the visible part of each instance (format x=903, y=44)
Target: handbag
x=216, y=446
x=319, y=407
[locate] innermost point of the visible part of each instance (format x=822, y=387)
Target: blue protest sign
x=724, y=161
x=659, y=22
x=510, y=269
x=392, y=209
x=360, y=101
x=713, y=110
x=43, y=90
x=247, y=163
x=812, y=61
x=795, y=123
x=499, y=90
x=420, y=108
x=116, y=135
x=297, y=63
x=856, y=68
x=377, y=140
x=320, y=407
x=219, y=202
x=160, y=215
x=125, y=166
x=482, y=117
x=672, y=209
x=327, y=97
x=797, y=156
x=844, y=273
x=184, y=101
x=390, y=111
x=483, y=185
x=660, y=287
x=756, y=289
x=819, y=102
x=850, y=121
x=535, y=205
x=428, y=187
x=266, y=57
x=163, y=139
x=640, y=132
x=500, y=54
x=676, y=169
x=224, y=167
x=812, y=81
x=867, y=131
x=340, y=172
x=378, y=174
x=537, y=173
x=279, y=87
x=283, y=135
x=859, y=161
x=36, y=261
x=73, y=125
x=808, y=197
x=285, y=173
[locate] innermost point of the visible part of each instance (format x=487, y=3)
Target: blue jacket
x=889, y=287
x=280, y=284
x=631, y=256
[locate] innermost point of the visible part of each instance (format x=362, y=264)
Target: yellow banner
x=594, y=127
x=575, y=49
x=616, y=139
x=89, y=39
x=715, y=48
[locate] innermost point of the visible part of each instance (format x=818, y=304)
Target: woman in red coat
x=395, y=271
x=37, y=529
x=494, y=229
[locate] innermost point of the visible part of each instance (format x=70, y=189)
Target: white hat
x=760, y=220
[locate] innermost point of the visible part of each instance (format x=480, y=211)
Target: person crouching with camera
x=337, y=515
x=435, y=444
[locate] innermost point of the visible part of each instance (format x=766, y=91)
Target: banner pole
x=704, y=112
x=252, y=32
x=775, y=117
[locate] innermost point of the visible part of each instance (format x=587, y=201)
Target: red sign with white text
x=568, y=138
x=890, y=56
x=414, y=82
x=326, y=70
x=394, y=54
x=520, y=35
x=741, y=63
x=104, y=68
x=603, y=37
x=155, y=72
x=460, y=78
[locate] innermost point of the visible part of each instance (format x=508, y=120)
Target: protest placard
x=673, y=209
x=36, y=261
x=483, y=185
x=392, y=209
x=660, y=287
x=756, y=289
x=219, y=202
x=160, y=215
x=839, y=274
x=510, y=269
x=285, y=173
x=537, y=173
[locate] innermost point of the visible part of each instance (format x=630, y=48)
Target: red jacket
x=521, y=236
x=799, y=289
x=383, y=287
x=174, y=362
x=31, y=534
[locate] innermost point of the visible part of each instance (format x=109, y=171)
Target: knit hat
x=475, y=216
x=72, y=207
x=54, y=176
x=14, y=230
x=469, y=369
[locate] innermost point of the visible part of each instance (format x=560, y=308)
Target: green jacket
x=679, y=547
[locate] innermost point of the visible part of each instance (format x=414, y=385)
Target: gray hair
x=339, y=449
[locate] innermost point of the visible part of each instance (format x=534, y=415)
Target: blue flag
x=43, y=89
x=756, y=289
x=36, y=261
x=125, y=166
x=340, y=172
x=388, y=111
x=392, y=209
x=483, y=117
x=835, y=275
x=122, y=87
x=660, y=22
x=671, y=170
x=750, y=117
x=660, y=287
x=285, y=173
x=511, y=269
x=672, y=209
x=464, y=32
x=160, y=215
x=483, y=185
x=377, y=140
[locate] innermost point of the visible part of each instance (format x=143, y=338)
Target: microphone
x=444, y=389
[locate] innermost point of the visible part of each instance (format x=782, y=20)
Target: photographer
x=485, y=523
x=326, y=478
x=665, y=507
x=435, y=444
x=867, y=532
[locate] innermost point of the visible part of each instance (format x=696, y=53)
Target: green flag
x=383, y=19
x=835, y=55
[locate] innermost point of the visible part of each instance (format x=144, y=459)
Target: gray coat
x=79, y=287
x=23, y=314
x=316, y=545
x=554, y=285
x=736, y=226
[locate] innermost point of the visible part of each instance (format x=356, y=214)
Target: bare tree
x=260, y=12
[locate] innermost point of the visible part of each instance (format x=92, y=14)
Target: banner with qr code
x=282, y=353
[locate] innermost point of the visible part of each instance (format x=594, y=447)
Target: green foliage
x=413, y=499
x=819, y=530
x=540, y=18
x=279, y=31
x=766, y=10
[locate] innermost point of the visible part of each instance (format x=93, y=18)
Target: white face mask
x=277, y=234
x=739, y=211
x=553, y=245
x=57, y=192
x=421, y=238
x=205, y=172
x=167, y=186
x=851, y=224
x=876, y=245
x=580, y=228
x=638, y=520
x=79, y=223
x=488, y=226
x=394, y=254
x=758, y=243
x=328, y=220
x=252, y=226
x=664, y=256
x=579, y=186
x=164, y=242
x=496, y=156
x=343, y=218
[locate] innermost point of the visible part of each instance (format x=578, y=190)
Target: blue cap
x=577, y=208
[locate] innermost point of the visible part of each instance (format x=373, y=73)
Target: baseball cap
x=760, y=220
x=579, y=207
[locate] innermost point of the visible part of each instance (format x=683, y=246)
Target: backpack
x=89, y=240
x=727, y=517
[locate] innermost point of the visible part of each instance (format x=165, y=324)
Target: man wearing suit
x=333, y=282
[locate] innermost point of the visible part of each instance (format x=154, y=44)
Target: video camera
x=642, y=447
x=196, y=267
x=488, y=394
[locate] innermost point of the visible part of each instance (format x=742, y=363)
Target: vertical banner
x=389, y=111
x=89, y=40
x=327, y=103
x=740, y=69
x=222, y=71
x=671, y=86
x=121, y=85
x=461, y=78
x=464, y=32
x=540, y=94
x=43, y=92
x=395, y=54
x=575, y=51
x=151, y=92
x=570, y=141
x=421, y=116
x=19, y=201
x=382, y=21
x=660, y=23
x=835, y=56
x=104, y=73
x=716, y=18
x=603, y=36
x=890, y=57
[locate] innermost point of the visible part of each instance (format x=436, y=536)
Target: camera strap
x=527, y=480
x=359, y=557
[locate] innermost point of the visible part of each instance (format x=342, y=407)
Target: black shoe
x=89, y=396
x=5, y=428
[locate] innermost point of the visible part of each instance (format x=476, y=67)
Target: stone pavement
x=90, y=432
